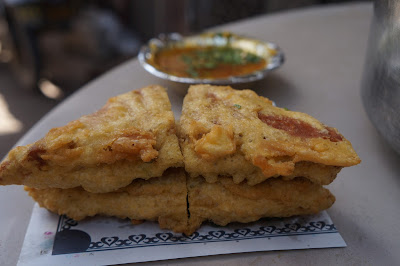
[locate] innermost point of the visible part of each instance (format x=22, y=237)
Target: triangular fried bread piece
x=132, y=136
x=224, y=202
x=161, y=199
x=240, y=134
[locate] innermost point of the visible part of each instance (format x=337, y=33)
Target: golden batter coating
x=238, y=133
x=165, y=199
x=132, y=136
x=224, y=202
x=161, y=199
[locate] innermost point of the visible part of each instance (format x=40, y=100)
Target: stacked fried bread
x=248, y=159
x=243, y=159
x=132, y=136
x=238, y=133
x=100, y=163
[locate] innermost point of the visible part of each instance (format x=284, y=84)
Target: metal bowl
x=270, y=52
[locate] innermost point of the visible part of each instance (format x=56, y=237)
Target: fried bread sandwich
x=132, y=136
x=233, y=158
x=161, y=199
x=224, y=201
x=237, y=133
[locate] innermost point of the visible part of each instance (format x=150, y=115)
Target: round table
x=325, y=49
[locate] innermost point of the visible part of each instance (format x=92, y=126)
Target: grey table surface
x=325, y=49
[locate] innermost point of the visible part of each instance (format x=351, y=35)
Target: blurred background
x=49, y=49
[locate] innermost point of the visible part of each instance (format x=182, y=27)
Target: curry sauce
x=208, y=62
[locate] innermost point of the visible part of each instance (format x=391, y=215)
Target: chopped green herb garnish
x=211, y=57
x=237, y=106
x=187, y=59
x=286, y=109
x=192, y=72
x=252, y=58
x=210, y=65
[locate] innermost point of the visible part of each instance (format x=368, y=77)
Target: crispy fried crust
x=132, y=136
x=161, y=199
x=238, y=133
x=224, y=202
x=165, y=199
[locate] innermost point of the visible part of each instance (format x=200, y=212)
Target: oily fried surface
x=224, y=202
x=166, y=199
x=162, y=199
x=132, y=136
x=238, y=133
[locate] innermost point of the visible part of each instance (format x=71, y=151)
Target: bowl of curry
x=212, y=58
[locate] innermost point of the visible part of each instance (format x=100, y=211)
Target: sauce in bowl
x=210, y=62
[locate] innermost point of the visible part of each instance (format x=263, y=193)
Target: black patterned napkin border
x=69, y=240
